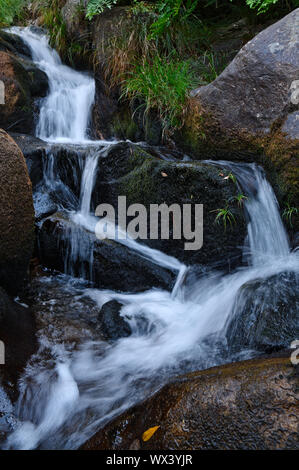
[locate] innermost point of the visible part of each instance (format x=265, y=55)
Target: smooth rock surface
x=259, y=86
x=16, y=215
x=247, y=405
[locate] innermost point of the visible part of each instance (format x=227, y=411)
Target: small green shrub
x=225, y=216
x=288, y=213
x=162, y=85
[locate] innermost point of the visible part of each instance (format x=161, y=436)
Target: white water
x=65, y=112
x=66, y=395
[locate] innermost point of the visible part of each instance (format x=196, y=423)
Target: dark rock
x=248, y=405
x=17, y=331
x=24, y=83
x=34, y=151
x=68, y=248
x=256, y=89
x=63, y=312
x=112, y=324
x=129, y=170
x=12, y=43
x=71, y=16
x=265, y=314
x=16, y=215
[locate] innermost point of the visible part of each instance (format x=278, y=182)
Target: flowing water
x=65, y=112
x=68, y=392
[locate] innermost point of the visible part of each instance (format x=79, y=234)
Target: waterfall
x=67, y=395
x=65, y=113
x=267, y=237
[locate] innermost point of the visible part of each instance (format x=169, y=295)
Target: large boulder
x=260, y=86
x=16, y=215
x=265, y=314
x=248, y=405
x=23, y=84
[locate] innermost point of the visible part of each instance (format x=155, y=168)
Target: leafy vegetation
x=171, y=11
x=95, y=7
x=10, y=10
x=261, y=5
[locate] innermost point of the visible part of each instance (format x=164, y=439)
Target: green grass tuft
x=162, y=85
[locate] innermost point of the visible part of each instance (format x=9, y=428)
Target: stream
x=70, y=389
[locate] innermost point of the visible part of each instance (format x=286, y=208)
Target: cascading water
x=65, y=112
x=67, y=393
x=267, y=236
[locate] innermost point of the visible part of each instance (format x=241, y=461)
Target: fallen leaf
x=149, y=433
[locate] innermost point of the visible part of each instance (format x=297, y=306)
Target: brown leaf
x=149, y=433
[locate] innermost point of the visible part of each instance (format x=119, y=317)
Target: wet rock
x=23, y=83
x=63, y=311
x=34, y=151
x=257, y=88
x=113, y=325
x=129, y=170
x=265, y=314
x=69, y=248
x=16, y=215
x=246, y=405
x=17, y=331
x=12, y=43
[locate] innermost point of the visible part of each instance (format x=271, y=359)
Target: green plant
x=261, y=5
x=240, y=198
x=229, y=176
x=289, y=212
x=171, y=11
x=225, y=215
x=95, y=7
x=10, y=10
x=163, y=85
